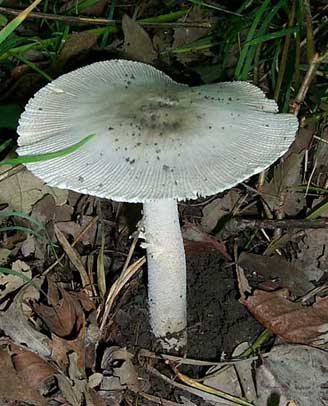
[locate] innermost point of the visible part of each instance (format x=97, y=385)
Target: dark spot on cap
x=40, y=108
x=81, y=179
x=110, y=128
x=210, y=127
x=166, y=167
x=230, y=98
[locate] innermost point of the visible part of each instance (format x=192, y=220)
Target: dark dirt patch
x=217, y=322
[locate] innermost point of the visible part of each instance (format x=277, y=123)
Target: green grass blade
x=202, y=43
x=44, y=157
x=24, y=230
x=22, y=215
x=34, y=67
x=25, y=278
x=273, y=35
x=250, y=36
x=260, y=34
x=17, y=21
x=5, y=144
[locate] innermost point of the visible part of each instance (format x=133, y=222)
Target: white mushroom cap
x=155, y=138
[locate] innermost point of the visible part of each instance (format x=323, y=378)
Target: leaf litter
x=73, y=336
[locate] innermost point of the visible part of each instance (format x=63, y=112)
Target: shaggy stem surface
x=166, y=273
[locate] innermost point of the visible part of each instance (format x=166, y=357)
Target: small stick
x=77, y=239
x=102, y=21
x=188, y=361
x=208, y=389
x=289, y=224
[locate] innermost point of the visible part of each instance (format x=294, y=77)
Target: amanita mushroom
x=157, y=142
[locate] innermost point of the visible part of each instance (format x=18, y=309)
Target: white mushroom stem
x=166, y=272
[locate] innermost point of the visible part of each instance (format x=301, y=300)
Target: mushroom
x=157, y=142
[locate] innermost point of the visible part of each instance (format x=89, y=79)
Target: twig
x=187, y=361
x=75, y=259
x=77, y=239
x=158, y=400
x=198, y=392
x=13, y=170
x=209, y=390
x=310, y=74
x=238, y=224
x=309, y=31
x=117, y=287
x=284, y=55
x=102, y=21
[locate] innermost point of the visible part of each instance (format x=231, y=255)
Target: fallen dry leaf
x=195, y=240
x=281, y=193
x=186, y=35
x=64, y=318
x=291, y=321
x=312, y=253
x=10, y=283
x=31, y=368
x=74, y=229
x=12, y=387
x=14, y=323
x=276, y=271
x=119, y=362
x=44, y=209
x=76, y=43
x=219, y=208
x=23, y=190
x=293, y=372
x=137, y=43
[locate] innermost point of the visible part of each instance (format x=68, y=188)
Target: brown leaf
x=76, y=43
x=185, y=35
x=291, y=321
x=196, y=240
x=61, y=348
x=276, y=270
x=14, y=322
x=64, y=318
x=218, y=208
x=137, y=43
x=11, y=385
x=312, y=253
x=33, y=370
x=280, y=193
x=44, y=209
